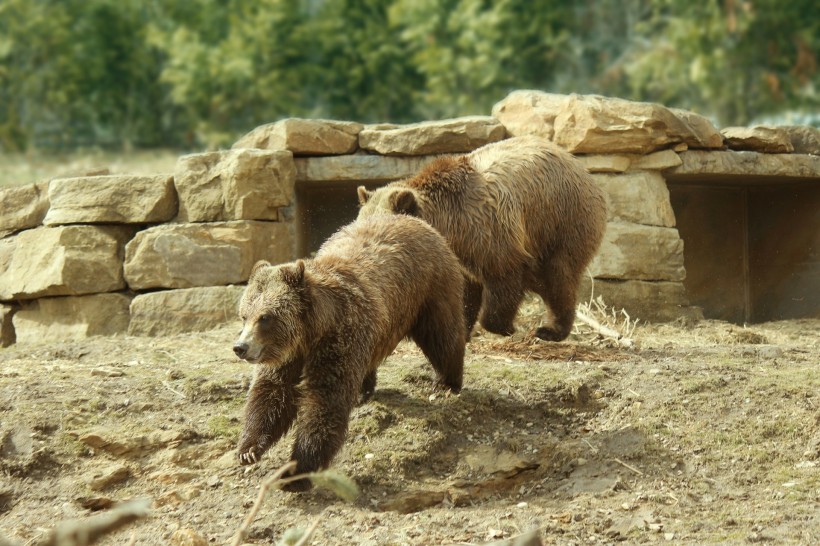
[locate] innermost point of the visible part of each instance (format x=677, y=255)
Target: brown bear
x=319, y=328
x=521, y=214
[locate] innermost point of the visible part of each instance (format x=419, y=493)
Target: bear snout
x=241, y=349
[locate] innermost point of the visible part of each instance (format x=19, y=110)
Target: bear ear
x=257, y=267
x=364, y=194
x=404, y=202
x=294, y=274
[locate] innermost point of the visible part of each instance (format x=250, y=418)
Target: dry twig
x=606, y=322
x=628, y=466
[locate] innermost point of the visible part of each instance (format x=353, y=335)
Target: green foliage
x=201, y=72
x=734, y=59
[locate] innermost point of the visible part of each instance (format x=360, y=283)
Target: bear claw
x=248, y=457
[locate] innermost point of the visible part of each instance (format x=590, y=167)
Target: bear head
x=388, y=200
x=272, y=310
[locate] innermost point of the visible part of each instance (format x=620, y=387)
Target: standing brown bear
x=521, y=214
x=319, y=328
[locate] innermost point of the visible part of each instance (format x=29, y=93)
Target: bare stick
x=630, y=467
x=242, y=533
x=605, y=331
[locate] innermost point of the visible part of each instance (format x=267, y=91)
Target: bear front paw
x=249, y=457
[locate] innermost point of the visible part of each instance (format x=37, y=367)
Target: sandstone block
x=657, y=161
x=359, y=168
x=804, y=139
x=62, y=261
x=121, y=199
x=71, y=318
x=595, y=124
x=23, y=207
x=636, y=252
x=768, y=140
x=702, y=133
x=638, y=197
x=699, y=162
x=188, y=255
x=241, y=184
x=170, y=312
x=529, y=112
x=433, y=137
x=646, y=301
x=605, y=163
x=305, y=137
x=7, y=336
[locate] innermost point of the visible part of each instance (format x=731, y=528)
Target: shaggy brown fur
x=521, y=214
x=320, y=328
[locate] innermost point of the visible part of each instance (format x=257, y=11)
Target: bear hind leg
x=440, y=334
x=472, y=303
x=559, y=291
x=501, y=300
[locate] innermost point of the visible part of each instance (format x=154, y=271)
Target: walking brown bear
x=319, y=328
x=521, y=214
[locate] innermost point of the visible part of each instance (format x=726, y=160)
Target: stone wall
x=153, y=255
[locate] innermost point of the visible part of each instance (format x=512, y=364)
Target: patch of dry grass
x=26, y=168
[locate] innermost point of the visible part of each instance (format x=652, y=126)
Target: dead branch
x=604, y=331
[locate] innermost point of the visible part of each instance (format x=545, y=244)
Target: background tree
x=198, y=73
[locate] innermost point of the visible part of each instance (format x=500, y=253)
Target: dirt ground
x=702, y=433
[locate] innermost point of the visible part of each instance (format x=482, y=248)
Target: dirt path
x=700, y=434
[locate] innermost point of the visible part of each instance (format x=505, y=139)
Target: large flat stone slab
x=657, y=161
x=637, y=252
x=358, y=168
x=638, y=197
x=700, y=163
x=62, y=261
x=23, y=207
x=241, y=184
x=169, y=312
x=804, y=139
x=188, y=255
x=68, y=318
x=769, y=140
x=597, y=163
x=602, y=125
x=113, y=199
x=447, y=136
x=305, y=137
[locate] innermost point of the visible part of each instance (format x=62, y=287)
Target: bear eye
x=265, y=318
